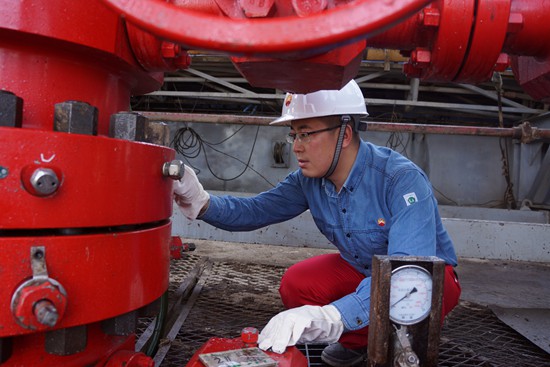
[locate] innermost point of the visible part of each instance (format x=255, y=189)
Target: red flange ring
x=489, y=32
x=95, y=175
x=267, y=36
x=39, y=303
x=453, y=36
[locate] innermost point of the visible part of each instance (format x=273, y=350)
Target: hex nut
x=75, y=117
x=173, y=169
x=44, y=182
x=11, y=109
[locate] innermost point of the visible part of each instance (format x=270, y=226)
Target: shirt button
x=348, y=235
x=359, y=321
x=357, y=257
x=344, y=210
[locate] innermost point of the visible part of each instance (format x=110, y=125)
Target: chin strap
x=345, y=120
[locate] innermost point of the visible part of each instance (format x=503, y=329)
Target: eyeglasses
x=305, y=137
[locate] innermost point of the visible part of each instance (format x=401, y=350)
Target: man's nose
x=297, y=146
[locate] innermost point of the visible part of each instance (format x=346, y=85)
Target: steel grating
x=236, y=295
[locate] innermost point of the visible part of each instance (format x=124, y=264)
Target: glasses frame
x=305, y=137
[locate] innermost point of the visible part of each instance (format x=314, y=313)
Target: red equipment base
x=291, y=358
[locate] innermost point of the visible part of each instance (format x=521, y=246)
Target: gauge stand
x=423, y=335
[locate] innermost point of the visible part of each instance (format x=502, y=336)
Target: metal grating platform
x=236, y=295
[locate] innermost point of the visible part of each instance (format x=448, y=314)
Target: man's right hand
x=189, y=194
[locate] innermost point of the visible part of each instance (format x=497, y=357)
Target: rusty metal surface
x=237, y=295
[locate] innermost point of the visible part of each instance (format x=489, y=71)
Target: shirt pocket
x=369, y=243
x=326, y=229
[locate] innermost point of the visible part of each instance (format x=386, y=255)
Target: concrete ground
x=517, y=292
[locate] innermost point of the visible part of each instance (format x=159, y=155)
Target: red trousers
x=323, y=279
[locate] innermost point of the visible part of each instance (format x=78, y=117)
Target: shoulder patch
x=410, y=198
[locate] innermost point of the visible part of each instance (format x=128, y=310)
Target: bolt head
x=44, y=181
x=28, y=310
x=75, y=117
x=174, y=169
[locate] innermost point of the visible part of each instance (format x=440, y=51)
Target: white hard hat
x=347, y=101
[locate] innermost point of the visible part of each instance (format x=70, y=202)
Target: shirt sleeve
x=355, y=307
x=281, y=203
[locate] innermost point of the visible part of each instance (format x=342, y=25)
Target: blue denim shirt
x=386, y=207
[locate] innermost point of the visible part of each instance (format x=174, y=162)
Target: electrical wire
x=190, y=144
x=509, y=198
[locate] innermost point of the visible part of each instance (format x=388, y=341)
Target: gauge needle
x=405, y=296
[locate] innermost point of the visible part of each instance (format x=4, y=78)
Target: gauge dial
x=410, y=294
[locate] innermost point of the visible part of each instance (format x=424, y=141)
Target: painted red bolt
x=174, y=55
x=515, y=23
x=421, y=57
x=249, y=335
x=502, y=63
x=430, y=17
x=39, y=304
x=183, y=61
x=256, y=8
x=169, y=50
x=303, y=8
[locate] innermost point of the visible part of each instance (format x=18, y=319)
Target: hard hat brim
x=283, y=120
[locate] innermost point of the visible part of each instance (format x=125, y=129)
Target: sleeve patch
x=410, y=198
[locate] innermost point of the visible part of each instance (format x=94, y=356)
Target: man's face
x=314, y=153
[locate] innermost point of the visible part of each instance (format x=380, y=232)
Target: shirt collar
x=356, y=174
x=357, y=170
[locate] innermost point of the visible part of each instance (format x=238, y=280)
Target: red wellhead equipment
x=85, y=196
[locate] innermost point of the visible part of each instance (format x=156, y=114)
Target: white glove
x=189, y=194
x=322, y=324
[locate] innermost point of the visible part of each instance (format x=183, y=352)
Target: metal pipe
x=525, y=132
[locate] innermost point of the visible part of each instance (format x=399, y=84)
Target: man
x=367, y=200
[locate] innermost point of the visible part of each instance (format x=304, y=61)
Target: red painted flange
x=267, y=36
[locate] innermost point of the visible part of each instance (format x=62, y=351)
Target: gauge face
x=410, y=294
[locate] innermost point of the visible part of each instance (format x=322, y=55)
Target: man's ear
x=348, y=135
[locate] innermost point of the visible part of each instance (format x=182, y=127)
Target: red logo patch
x=288, y=99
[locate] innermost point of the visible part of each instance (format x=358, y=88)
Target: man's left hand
x=322, y=324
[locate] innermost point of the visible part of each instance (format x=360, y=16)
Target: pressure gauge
x=410, y=294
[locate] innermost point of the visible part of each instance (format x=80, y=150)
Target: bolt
x=249, y=335
x=421, y=57
x=412, y=360
x=128, y=126
x=45, y=313
x=11, y=109
x=183, y=61
x=66, y=341
x=157, y=133
x=303, y=8
x=44, y=181
x=502, y=63
x=169, y=50
x=3, y=172
x=38, y=254
x=515, y=23
x=256, y=8
x=173, y=169
x=430, y=17
x=124, y=324
x=75, y=117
